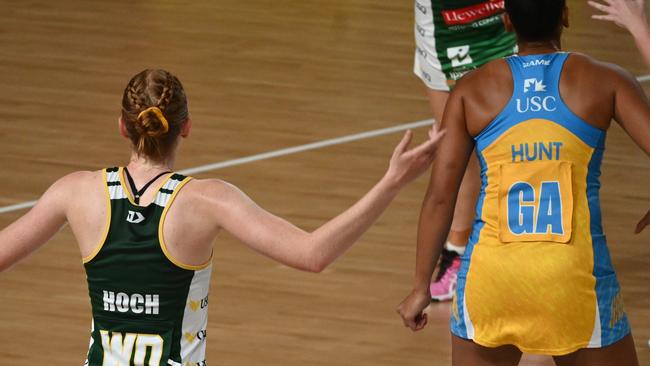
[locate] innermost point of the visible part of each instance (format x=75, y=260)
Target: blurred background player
x=629, y=14
x=453, y=37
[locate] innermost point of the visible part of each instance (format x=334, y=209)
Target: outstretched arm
x=632, y=112
x=288, y=244
x=631, y=109
x=37, y=226
x=629, y=14
x=437, y=208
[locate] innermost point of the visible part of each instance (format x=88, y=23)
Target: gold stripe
x=107, y=225
x=125, y=187
x=162, y=185
x=161, y=239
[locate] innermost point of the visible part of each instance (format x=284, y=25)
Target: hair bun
x=152, y=122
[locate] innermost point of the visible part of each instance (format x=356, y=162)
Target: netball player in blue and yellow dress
x=537, y=276
x=147, y=252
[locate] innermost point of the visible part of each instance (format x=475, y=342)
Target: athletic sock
x=455, y=248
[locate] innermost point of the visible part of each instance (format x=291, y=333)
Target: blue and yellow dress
x=537, y=272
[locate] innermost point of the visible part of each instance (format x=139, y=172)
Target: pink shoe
x=443, y=287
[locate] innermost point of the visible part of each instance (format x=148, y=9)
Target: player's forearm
x=337, y=235
x=19, y=239
x=433, y=226
x=8, y=255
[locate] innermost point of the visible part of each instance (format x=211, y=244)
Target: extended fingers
x=427, y=147
x=640, y=226
x=436, y=134
x=404, y=144
x=608, y=17
x=602, y=7
x=643, y=223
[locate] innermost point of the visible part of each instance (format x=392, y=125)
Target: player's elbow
x=434, y=200
x=318, y=266
x=4, y=265
x=315, y=261
x=314, y=264
x=309, y=266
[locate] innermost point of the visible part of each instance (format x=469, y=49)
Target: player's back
x=586, y=85
x=538, y=236
x=148, y=308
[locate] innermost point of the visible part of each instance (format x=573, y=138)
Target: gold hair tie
x=159, y=114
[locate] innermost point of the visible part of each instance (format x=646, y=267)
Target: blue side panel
x=458, y=326
x=607, y=287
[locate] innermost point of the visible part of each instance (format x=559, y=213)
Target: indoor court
x=261, y=76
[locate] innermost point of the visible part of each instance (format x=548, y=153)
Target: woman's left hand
x=406, y=165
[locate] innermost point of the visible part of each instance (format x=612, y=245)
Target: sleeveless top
x=148, y=308
x=537, y=272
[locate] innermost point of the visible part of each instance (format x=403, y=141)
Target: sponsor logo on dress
x=456, y=75
x=421, y=7
x=200, y=363
x=198, y=304
x=422, y=52
x=200, y=335
x=536, y=63
x=473, y=13
x=454, y=308
x=134, y=303
x=134, y=217
x=459, y=55
x=536, y=103
x=537, y=84
x=618, y=311
x=422, y=31
x=426, y=75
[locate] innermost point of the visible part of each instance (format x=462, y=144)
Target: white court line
x=16, y=207
x=287, y=151
x=301, y=148
x=643, y=78
x=272, y=154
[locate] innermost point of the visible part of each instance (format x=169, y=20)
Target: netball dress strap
x=170, y=188
x=137, y=193
x=115, y=188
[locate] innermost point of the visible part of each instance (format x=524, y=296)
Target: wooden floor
x=260, y=75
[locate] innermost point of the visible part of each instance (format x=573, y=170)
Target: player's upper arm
x=455, y=148
x=39, y=224
x=264, y=232
x=631, y=108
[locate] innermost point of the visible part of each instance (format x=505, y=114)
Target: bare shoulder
x=62, y=194
x=490, y=76
x=79, y=181
x=210, y=187
x=589, y=68
x=483, y=93
x=211, y=193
